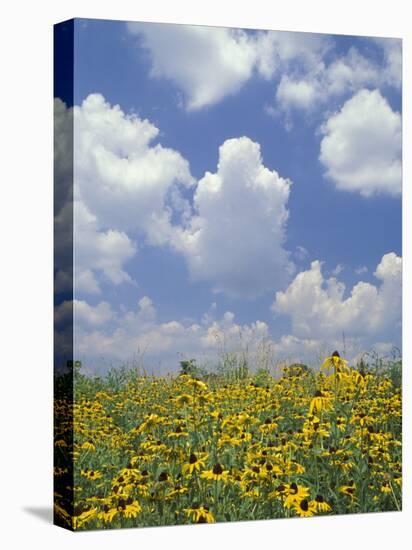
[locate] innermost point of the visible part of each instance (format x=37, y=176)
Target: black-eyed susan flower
x=196, y=462
x=199, y=514
x=88, y=446
x=336, y=362
x=361, y=418
x=386, y=487
x=149, y=423
x=279, y=492
x=294, y=494
x=130, y=508
x=313, y=427
x=90, y=474
x=177, y=490
x=304, y=508
x=398, y=480
x=163, y=476
x=108, y=513
x=197, y=384
x=348, y=489
x=321, y=505
x=321, y=401
x=268, y=426
x=184, y=399
x=341, y=423
x=217, y=473
x=177, y=433
x=251, y=491
x=256, y=472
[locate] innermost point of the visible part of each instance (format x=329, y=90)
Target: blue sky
x=314, y=120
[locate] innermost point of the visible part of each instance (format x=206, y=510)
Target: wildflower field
x=182, y=449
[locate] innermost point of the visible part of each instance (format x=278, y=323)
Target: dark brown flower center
x=217, y=469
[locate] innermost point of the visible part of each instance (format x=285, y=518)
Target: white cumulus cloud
x=101, y=252
x=206, y=63
x=122, y=177
x=236, y=239
x=209, y=63
x=322, y=80
x=318, y=307
x=392, y=52
x=361, y=147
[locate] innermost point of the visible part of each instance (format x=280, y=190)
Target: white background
x=26, y=272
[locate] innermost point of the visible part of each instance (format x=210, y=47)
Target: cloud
x=345, y=74
x=301, y=253
x=317, y=83
x=98, y=251
x=118, y=336
x=206, y=63
x=392, y=52
x=123, y=178
x=236, y=239
x=338, y=270
x=211, y=63
x=283, y=52
x=124, y=185
x=84, y=313
x=319, y=309
x=312, y=351
x=300, y=94
x=361, y=147
x=292, y=349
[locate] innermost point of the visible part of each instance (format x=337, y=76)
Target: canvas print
x=228, y=274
